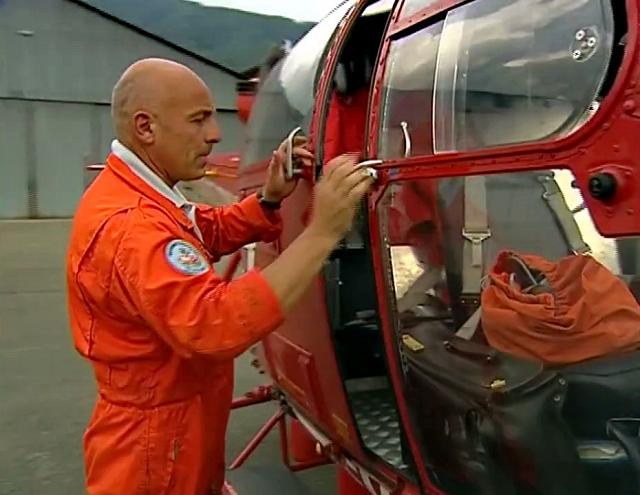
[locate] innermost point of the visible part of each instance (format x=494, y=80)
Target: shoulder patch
x=185, y=257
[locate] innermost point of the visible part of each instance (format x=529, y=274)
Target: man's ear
x=144, y=127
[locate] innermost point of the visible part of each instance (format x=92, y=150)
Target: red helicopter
x=490, y=126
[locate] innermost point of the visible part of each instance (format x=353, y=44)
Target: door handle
x=368, y=165
x=407, y=139
x=290, y=170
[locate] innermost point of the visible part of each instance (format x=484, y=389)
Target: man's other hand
x=337, y=197
x=277, y=187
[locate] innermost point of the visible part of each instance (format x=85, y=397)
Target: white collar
x=139, y=168
x=146, y=174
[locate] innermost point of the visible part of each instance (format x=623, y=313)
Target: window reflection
x=272, y=118
x=513, y=72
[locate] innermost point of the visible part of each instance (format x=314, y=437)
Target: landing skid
x=299, y=452
x=261, y=395
x=252, y=480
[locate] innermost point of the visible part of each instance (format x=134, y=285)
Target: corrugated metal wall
x=44, y=152
x=58, y=63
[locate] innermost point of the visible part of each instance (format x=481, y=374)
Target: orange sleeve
x=226, y=229
x=174, y=290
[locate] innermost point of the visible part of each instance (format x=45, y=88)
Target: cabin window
x=434, y=289
x=520, y=71
x=423, y=222
x=406, y=128
x=411, y=7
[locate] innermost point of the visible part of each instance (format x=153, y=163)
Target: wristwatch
x=269, y=205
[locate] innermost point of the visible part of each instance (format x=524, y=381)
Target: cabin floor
x=377, y=418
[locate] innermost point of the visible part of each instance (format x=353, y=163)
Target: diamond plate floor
x=377, y=420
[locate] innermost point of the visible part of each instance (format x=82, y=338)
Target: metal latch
x=476, y=238
x=497, y=384
x=368, y=165
x=412, y=343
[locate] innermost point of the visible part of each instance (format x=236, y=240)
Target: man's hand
x=277, y=187
x=337, y=197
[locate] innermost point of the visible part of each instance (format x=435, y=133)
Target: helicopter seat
x=490, y=422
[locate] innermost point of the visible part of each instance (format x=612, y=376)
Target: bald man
x=159, y=326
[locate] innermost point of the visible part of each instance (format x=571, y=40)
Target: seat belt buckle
x=583, y=250
x=476, y=237
x=469, y=303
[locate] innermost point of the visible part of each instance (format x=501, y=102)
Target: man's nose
x=213, y=134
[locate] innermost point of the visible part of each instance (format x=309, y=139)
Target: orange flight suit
x=161, y=330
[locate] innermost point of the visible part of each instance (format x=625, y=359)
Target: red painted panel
x=294, y=369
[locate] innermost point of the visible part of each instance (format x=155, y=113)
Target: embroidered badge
x=185, y=258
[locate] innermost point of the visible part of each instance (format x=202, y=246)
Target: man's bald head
x=148, y=85
x=159, y=104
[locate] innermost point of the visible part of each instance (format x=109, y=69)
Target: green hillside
x=233, y=38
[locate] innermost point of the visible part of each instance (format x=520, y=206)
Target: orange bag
x=558, y=312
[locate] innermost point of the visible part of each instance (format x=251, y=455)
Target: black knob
x=603, y=186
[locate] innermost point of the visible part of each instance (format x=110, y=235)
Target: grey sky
x=302, y=10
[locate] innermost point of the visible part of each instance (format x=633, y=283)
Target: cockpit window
x=519, y=71
x=272, y=118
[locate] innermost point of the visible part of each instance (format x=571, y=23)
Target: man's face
x=185, y=130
